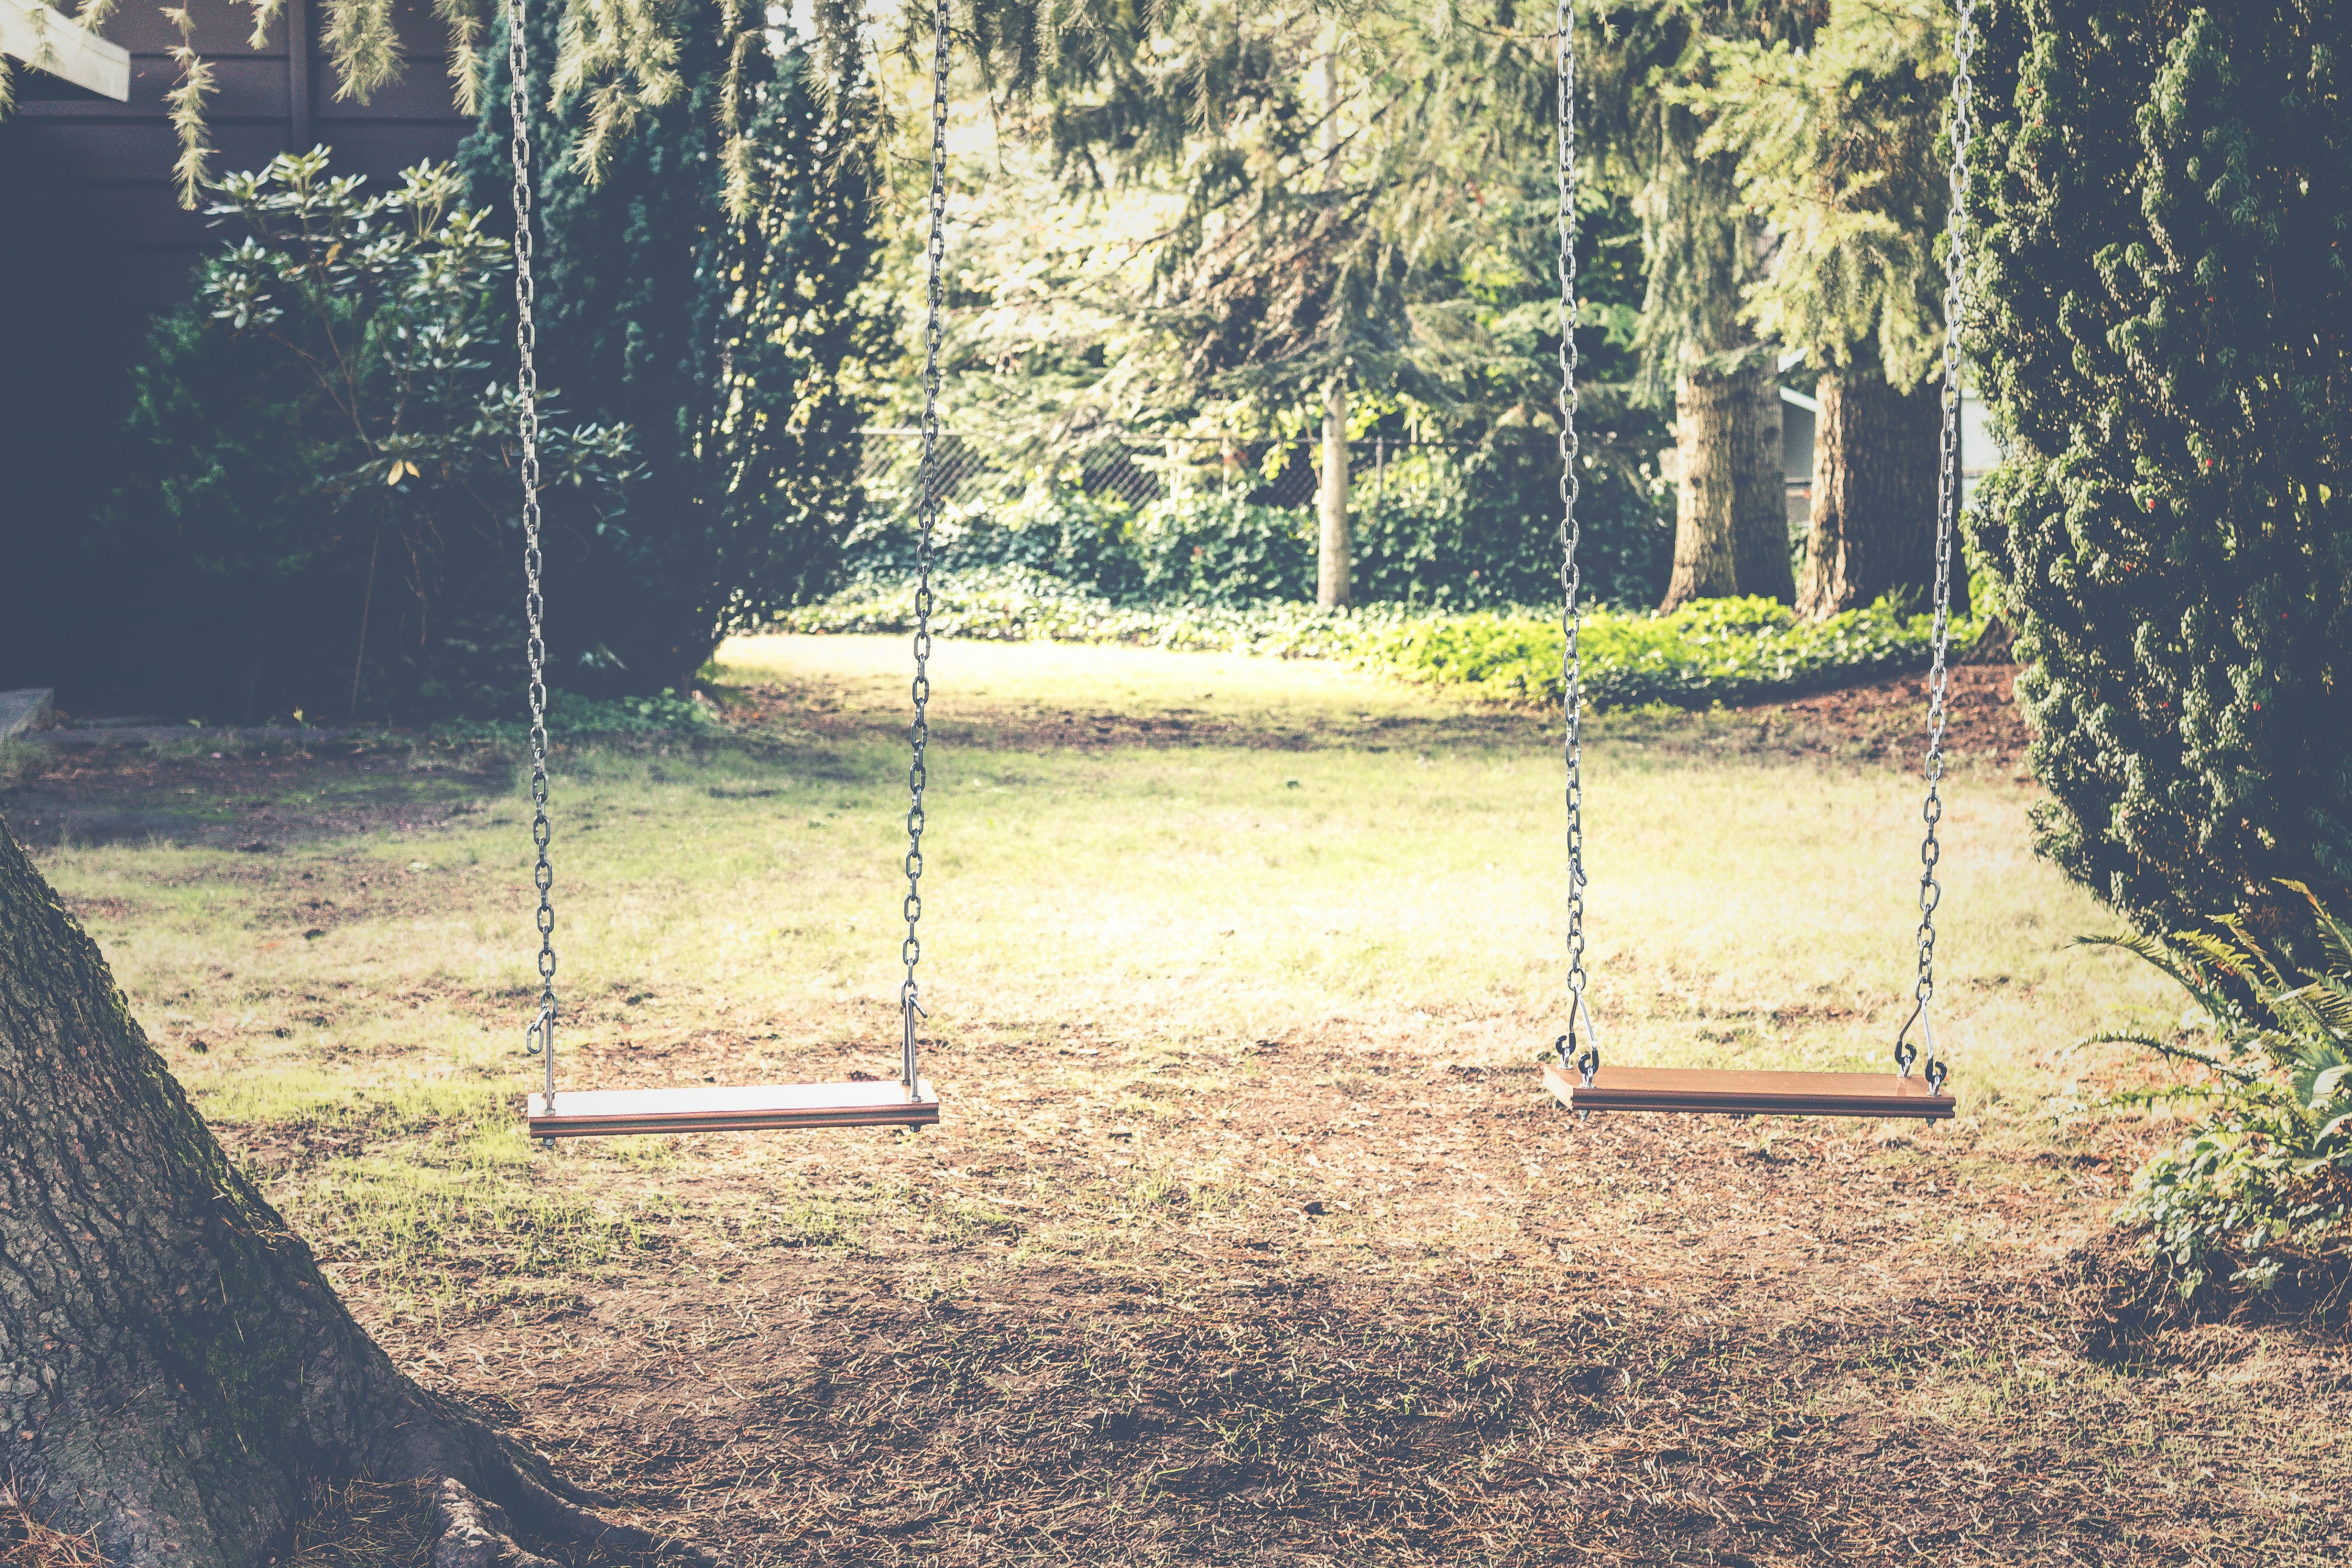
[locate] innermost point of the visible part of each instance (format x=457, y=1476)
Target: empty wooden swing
x=1573, y=1070
x=910, y=1101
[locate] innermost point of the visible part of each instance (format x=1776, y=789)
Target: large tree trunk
x=1732, y=504
x=1334, y=557
x=1874, y=487
x=1760, y=542
x=174, y=1367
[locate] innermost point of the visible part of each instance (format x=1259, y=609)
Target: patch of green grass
x=429, y=1228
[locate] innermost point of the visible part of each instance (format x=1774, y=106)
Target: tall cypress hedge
x=2163, y=197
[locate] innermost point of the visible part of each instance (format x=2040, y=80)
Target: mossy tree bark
x=1731, y=516
x=173, y=1366
x=1875, y=451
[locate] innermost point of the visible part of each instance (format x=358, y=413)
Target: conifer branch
x=735, y=148
x=264, y=13
x=464, y=20
x=186, y=104
x=364, y=46
x=622, y=56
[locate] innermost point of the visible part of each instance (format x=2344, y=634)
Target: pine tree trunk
x=1761, y=544
x=1874, y=486
x=174, y=1367
x=1732, y=504
x=1333, y=556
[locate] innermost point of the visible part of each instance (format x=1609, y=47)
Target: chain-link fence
x=1136, y=470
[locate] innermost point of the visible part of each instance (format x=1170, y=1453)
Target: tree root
x=471, y=1532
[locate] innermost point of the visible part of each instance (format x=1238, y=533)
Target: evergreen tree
x=1236, y=232
x=1324, y=163
x=2164, y=197
x=1841, y=147
x=1650, y=68
x=725, y=344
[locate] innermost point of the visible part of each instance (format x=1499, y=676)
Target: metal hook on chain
x=1585, y=1058
x=1906, y=1054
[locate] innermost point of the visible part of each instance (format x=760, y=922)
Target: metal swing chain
x=1947, y=507
x=539, y=1039
x=1587, y=1060
x=934, y=256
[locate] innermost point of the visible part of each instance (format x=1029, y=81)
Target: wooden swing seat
x=1710, y=1091
x=618, y=1112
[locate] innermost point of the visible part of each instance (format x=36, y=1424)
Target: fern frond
x=2256, y=967
x=2167, y=960
x=2171, y=1049
x=2335, y=935
x=2321, y=1005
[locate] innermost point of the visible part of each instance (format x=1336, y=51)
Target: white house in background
x=49, y=40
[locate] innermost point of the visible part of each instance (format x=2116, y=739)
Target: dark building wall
x=93, y=242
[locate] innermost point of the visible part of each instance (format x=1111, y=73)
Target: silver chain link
x=1948, y=509
x=1571, y=581
x=540, y=1038
x=934, y=257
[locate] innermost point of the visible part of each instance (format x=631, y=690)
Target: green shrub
x=2258, y=1196
x=1052, y=529
x=1218, y=549
x=1204, y=548
x=1708, y=651
x=1480, y=528
x=1016, y=604
x=316, y=508
x=1436, y=529
x=2163, y=199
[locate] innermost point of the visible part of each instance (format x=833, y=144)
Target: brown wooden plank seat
x=1710, y=1091
x=618, y=1112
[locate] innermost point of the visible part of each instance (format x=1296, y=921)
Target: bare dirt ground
x=1876, y=722
x=1880, y=720
x=1481, y=1334
x=1368, y=1308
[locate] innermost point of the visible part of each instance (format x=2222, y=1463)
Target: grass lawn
x=1249, y=1236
